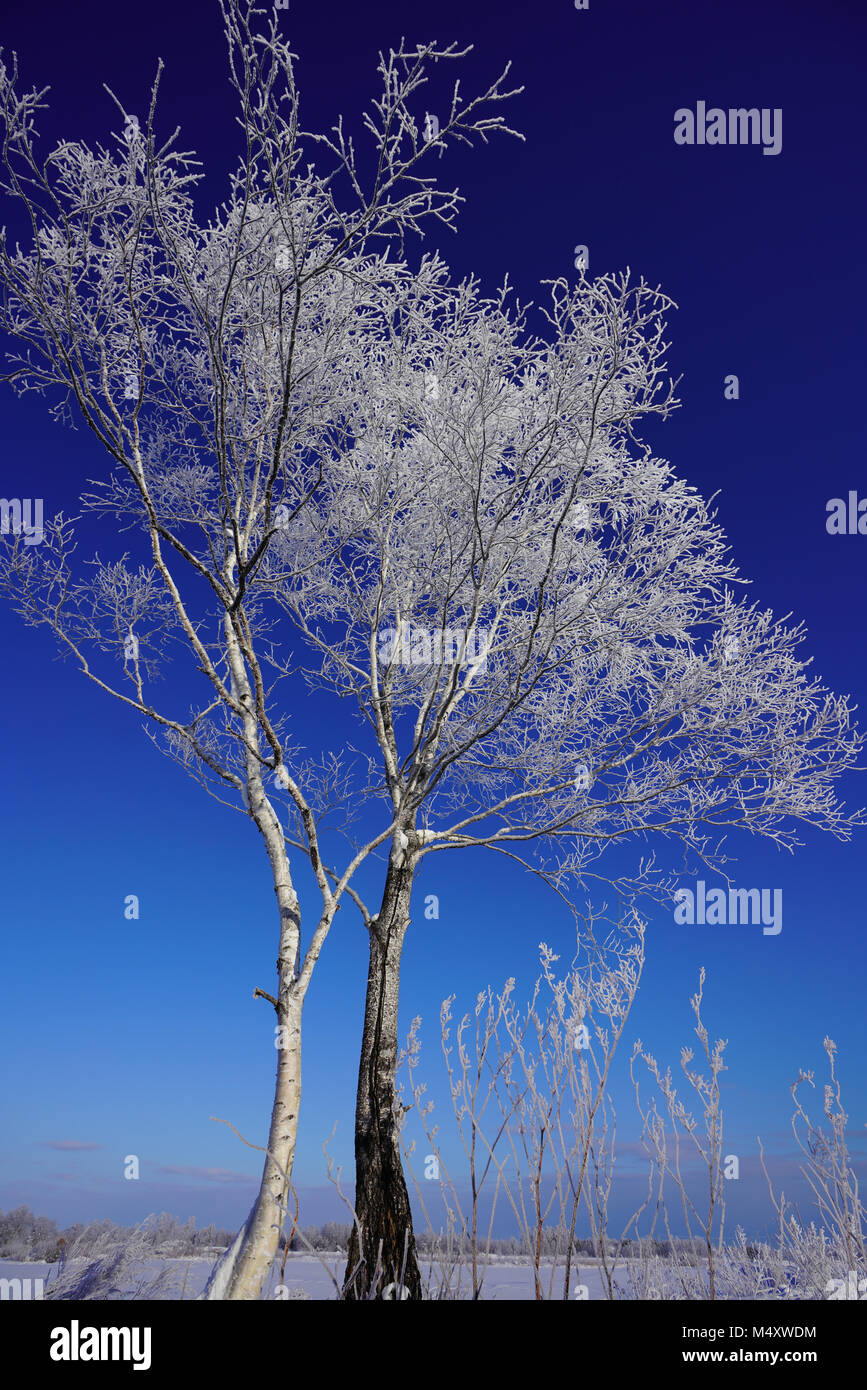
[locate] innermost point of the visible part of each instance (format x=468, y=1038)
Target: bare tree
x=537, y=620
x=216, y=362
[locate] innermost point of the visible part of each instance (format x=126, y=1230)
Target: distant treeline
x=334, y=1235
x=24, y=1236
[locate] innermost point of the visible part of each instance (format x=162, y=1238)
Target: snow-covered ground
x=305, y=1274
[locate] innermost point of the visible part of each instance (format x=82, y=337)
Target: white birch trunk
x=242, y=1270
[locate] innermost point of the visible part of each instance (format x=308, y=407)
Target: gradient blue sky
x=125, y=1037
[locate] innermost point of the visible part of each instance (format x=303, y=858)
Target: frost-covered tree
x=535, y=616
x=216, y=360
x=538, y=622
x=24, y=1236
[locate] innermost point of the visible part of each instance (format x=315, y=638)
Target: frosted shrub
x=112, y=1269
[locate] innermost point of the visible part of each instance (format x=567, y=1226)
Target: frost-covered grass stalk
x=99, y=1266
x=528, y=1091
x=537, y=1126
x=705, y=1140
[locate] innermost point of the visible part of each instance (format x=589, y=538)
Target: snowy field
x=305, y=1274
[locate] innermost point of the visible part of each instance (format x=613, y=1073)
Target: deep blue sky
x=126, y=1036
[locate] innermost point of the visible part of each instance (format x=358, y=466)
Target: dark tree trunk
x=386, y=1248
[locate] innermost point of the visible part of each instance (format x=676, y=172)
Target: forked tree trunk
x=385, y=1253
